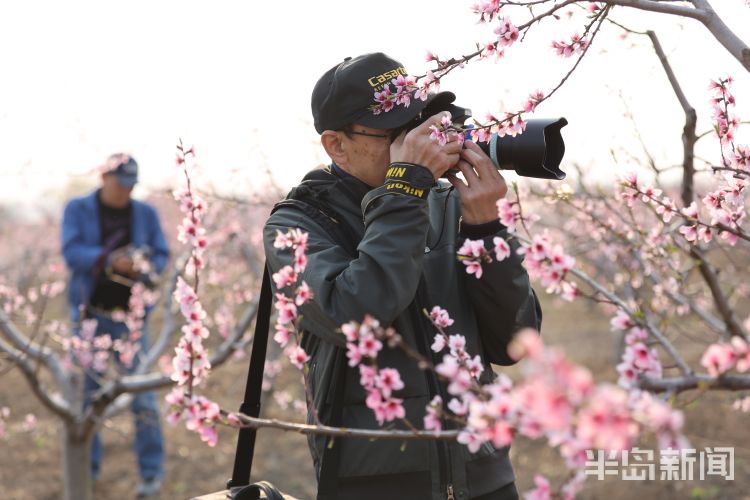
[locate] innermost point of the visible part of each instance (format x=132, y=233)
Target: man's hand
x=484, y=185
x=123, y=264
x=416, y=146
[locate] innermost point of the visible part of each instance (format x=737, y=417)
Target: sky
x=83, y=79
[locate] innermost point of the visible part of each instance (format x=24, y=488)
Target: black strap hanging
x=243, y=460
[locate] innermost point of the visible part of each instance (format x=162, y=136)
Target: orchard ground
x=30, y=462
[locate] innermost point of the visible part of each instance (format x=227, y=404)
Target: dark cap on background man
x=124, y=167
x=346, y=93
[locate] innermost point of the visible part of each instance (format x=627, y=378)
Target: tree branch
x=723, y=34
x=324, y=430
x=117, y=395
x=702, y=12
x=25, y=346
x=662, y=7
x=54, y=403
x=658, y=335
x=710, y=276
x=688, y=132
x=695, y=381
x=168, y=327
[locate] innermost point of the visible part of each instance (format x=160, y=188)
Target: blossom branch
x=652, y=328
x=168, y=326
x=710, y=276
x=713, y=322
x=121, y=391
x=324, y=430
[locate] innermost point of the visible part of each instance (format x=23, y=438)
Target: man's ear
x=333, y=144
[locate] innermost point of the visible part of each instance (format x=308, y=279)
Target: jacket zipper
x=423, y=341
x=450, y=492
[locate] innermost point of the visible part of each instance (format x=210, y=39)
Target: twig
x=324, y=430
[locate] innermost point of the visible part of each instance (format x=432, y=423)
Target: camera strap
x=311, y=205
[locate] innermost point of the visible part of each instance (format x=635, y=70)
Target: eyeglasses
x=368, y=134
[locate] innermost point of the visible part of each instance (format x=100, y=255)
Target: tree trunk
x=76, y=450
x=76, y=446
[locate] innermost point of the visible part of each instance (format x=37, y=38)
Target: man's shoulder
x=143, y=207
x=84, y=200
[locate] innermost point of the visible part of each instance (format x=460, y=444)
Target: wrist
x=473, y=230
x=409, y=178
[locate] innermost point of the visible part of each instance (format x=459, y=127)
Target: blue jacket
x=82, y=245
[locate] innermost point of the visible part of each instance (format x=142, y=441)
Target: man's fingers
x=457, y=183
x=479, y=160
x=472, y=146
x=453, y=147
x=432, y=120
x=469, y=174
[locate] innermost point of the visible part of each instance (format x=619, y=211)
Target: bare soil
x=30, y=462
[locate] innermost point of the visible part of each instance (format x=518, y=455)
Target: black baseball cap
x=124, y=167
x=345, y=94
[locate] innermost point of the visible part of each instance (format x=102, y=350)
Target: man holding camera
x=390, y=252
x=102, y=235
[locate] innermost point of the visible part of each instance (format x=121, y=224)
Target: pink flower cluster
x=549, y=264
x=13, y=302
x=534, y=98
x=404, y=89
x=461, y=371
x=594, y=7
x=473, y=254
x=29, y=423
x=184, y=155
x=87, y=350
x=506, y=31
x=509, y=213
x=722, y=104
x=190, y=363
x=297, y=241
x=440, y=317
x=439, y=132
x=576, y=44
x=286, y=305
x=486, y=9
x=637, y=359
x=632, y=192
x=556, y=399
x=190, y=231
x=558, y=394
x=200, y=413
x=4, y=414
x=722, y=357
x=362, y=347
x=140, y=299
x=694, y=232
x=726, y=207
x=743, y=404
x=512, y=125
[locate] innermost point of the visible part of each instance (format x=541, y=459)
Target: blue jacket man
x=99, y=233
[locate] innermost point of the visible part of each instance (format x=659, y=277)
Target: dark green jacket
x=401, y=239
